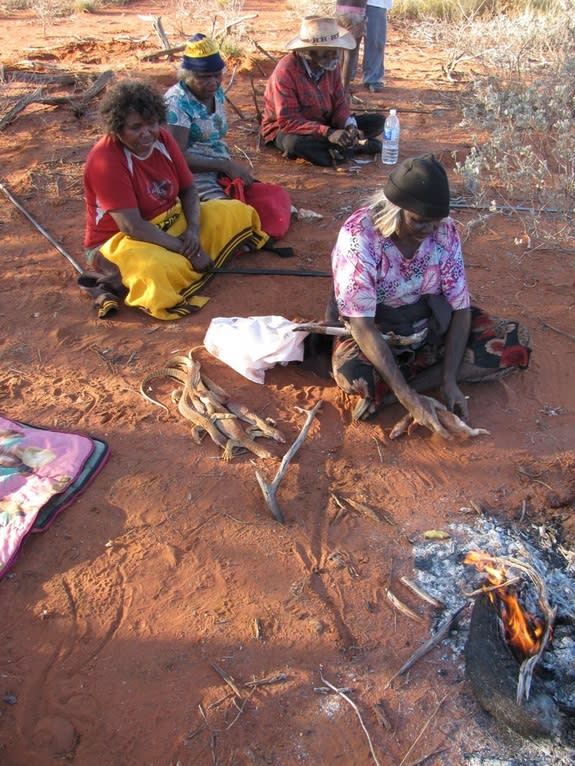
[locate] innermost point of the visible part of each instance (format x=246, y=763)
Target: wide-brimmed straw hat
x=321, y=32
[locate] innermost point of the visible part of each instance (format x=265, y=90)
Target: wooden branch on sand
x=19, y=106
x=269, y=490
x=166, y=52
x=76, y=102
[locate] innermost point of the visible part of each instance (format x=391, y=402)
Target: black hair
x=139, y=96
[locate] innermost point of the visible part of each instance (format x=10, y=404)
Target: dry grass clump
x=456, y=10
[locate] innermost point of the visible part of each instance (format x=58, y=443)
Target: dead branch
x=235, y=23
x=37, y=78
x=355, y=707
x=238, y=111
x=166, y=52
x=259, y=114
x=423, y=729
x=19, y=106
x=263, y=50
x=77, y=102
x=437, y=637
x=270, y=490
x=158, y=29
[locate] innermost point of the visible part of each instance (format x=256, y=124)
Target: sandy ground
x=114, y=620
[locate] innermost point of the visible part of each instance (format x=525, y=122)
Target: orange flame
x=523, y=631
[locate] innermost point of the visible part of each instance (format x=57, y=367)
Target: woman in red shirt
x=147, y=235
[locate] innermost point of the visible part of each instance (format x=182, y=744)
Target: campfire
x=524, y=630
x=519, y=650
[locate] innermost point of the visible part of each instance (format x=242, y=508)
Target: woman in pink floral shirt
x=398, y=267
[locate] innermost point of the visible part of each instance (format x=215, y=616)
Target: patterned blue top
x=206, y=131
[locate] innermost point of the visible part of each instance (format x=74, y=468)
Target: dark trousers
x=320, y=151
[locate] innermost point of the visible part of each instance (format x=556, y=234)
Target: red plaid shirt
x=295, y=103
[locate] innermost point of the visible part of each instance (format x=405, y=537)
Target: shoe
x=368, y=146
x=374, y=87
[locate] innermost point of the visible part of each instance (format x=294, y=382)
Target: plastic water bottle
x=390, y=145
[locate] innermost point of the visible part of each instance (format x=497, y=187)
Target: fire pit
x=504, y=645
x=519, y=651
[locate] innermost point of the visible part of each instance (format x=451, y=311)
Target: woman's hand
x=455, y=400
x=423, y=410
x=235, y=170
x=190, y=242
x=201, y=262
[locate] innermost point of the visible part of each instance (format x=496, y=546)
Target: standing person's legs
x=353, y=19
x=374, y=47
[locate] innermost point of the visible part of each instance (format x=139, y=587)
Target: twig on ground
x=228, y=679
x=238, y=111
x=269, y=490
x=423, y=729
x=420, y=592
x=231, y=80
x=437, y=637
x=355, y=707
x=166, y=52
x=557, y=330
x=403, y=608
x=259, y=114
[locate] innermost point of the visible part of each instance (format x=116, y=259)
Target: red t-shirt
x=115, y=179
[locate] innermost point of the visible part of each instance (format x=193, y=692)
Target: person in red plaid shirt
x=306, y=110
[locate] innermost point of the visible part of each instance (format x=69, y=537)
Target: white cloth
x=252, y=345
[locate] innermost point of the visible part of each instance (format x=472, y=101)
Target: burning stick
x=269, y=490
x=531, y=646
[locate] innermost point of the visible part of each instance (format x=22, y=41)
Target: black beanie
x=420, y=185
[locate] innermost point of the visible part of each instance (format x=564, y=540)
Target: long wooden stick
x=41, y=229
x=269, y=490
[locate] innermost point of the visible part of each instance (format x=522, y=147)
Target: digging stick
x=272, y=272
x=42, y=230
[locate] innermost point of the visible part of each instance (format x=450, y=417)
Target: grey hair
x=386, y=216
x=183, y=74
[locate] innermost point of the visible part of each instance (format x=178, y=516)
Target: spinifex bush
x=523, y=110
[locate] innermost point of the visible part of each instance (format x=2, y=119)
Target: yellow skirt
x=163, y=283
